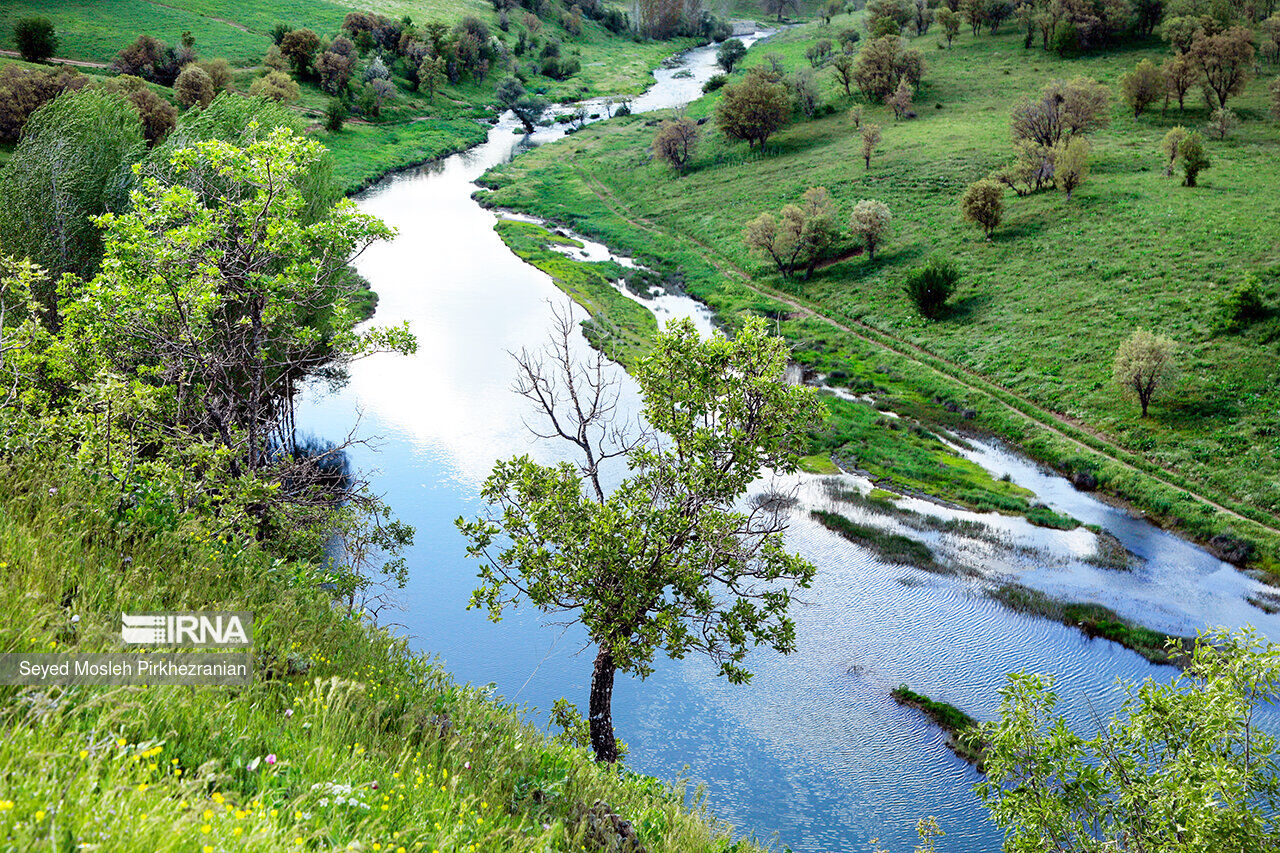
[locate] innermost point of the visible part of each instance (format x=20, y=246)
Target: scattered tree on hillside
x=729, y=53
x=870, y=221
x=855, y=116
x=1171, y=146
x=799, y=237
x=829, y=10
x=753, y=109
x=25, y=90
x=1181, y=764
x=35, y=38
x=983, y=205
x=431, y=75
x=923, y=17
x=334, y=69
x=995, y=13
x=277, y=86
x=1194, y=158
x=299, y=47
x=870, y=139
x=150, y=59
x=275, y=60
x=1179, y=76
x=971, y=10
x=335, y=115
x=157, y=115
x=527, y=108
x=820, y=52
x=900, y=100
x=1223, y=123
x=1143, y=86
x=676, y=142
x=672, y=563
x=930, y=286
x=1144, y=366
x=220, y=73
x=1225, y=62
x=950, y=21
x=780, y=7
x=883, y=63
x=1032, y=169
x=1071, y=165
x=888, y=17
x=842, y=66
x=193, y=86
x=1062, y=109
x=1181, y=31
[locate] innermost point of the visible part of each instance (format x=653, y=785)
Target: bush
x=335, y=114
x=193, y=86
x=676, y=142
x=1244, y=304
x=716, y=81
x=930, y=286
x=730, y=53
x=1194, y=159
x=754, y=109
x=983, y=205
x=25, y=90
x=277, y=86
x=35, y=38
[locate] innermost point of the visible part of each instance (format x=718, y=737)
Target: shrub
x=1244, y=303
x=148, y=58
x=1171, y=146
x=25, y=90
x=716, y=81
x=157, y=115
x=1144, y=366
x=193, y=86
x=1194, y=158
x=730, y=53
x=1143, y=86
x=219, y=71
x=1223, y=123
x=983, y=205
x=277, y=86
x=930, y=286
x=335, y=114
x=870, y=138
x=35, y=38
x=275, y=60
x=1071, y=164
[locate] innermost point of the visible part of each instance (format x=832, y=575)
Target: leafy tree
x=1225, y=62
x=676, y=142
x=1179, y=76
x=276, y=86
x=431, y=74
x=870, y=221
x=820, y=52
x=729, y=53
x=923, y=16
x=900, y=100
x=1033, y=167
x=1171, y=146
x=888, y=17
x=1071, y=165
x=1181, y=31
x=148, y=58
x=780, y=7
x=1183, y=765
x=983, y=205
x=753, y=109
x=930, y=286
x=842, y=66
x=829, y=10
x=335, y=115
x=193, y=86
x=666, y=561
x=804, y=93
x=72, y=164
x=882, y=65
x=995, y=13
x=799, y=237
x=219, y=71
x=333, y=71
x=527, y=108
x=1223, y=123
x=1144, y=366
x=299, y=47
x=949, y=20
x=157, y=115
x=35, y=38
x=1194, y=158
x=25, y=90
x=1062, y=109
x=870, y=139
x=1143, y=86
x=275, y=60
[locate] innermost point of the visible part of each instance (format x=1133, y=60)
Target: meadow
x=1028, y=339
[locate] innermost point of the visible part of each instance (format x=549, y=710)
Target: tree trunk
x=600, y=708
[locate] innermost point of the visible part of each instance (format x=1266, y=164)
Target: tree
x=754, y=109
x=193, y=86
x=900, y=100
x=676, y=142
x=1225, y=62
x=842, y=67
x=25, y=90
x=870, y=139
x=870, y=221
x=1144, y=366
x=431, y=74
x=72, y=164
x=219, y=71
x=1071, y=164
x=299, y=47
x=924, y=16
x=1183, y=765
x=1143, y=86
x=1171, y=146
x=148, y=58
x=1223, y=123
x=666, y=561
x=527, y=108
x=883, y=63
x=333, y=71
x=335, y=115
x=277, y=86
x=797, y=239
x=1179, y=76
x=778, y=7
x=930, y=286
x=995, y=13
x=983, y=205
x=157, y=115
x=729, y=53
x=226, y=299
x=1062, y=109
x=949, y=20
x=35, y=38
x=820, y=52
x=888, y=17
x=829, y=10
x=1194, y=159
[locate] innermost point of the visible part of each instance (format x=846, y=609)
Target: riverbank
x=345, y=740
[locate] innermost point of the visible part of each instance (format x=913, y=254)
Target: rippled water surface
x=813, y=750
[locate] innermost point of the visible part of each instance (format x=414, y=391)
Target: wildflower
x=39, y=815
x=466, y=766
x=53, y=490
x=206, y=829
x=374, y=785
x=206, y=849
x=288, y=712
x=75, y=618
x=84, y=753
x=271, y=758
x=208, y=814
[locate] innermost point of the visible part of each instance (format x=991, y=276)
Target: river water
x=813, y=750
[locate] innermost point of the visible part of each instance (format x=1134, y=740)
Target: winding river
x=813, y=750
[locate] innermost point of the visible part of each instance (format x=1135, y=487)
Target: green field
x=1029, y=338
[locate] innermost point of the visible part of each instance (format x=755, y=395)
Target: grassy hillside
x=1040, y=308
x=421, y=763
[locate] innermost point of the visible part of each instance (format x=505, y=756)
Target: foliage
x=148, y=58
x=1223, y=123
x=753, y=109
x=277, y=86
x=729, y=53
x=870, y=221
x=25, y=90
x=1182, y=766
x=193, y=86
x=1064, y=108
x=1143, y=86
x=1144, y=365
x=299, y=47
x=983, y=205
x=665, y=561
x=1071, y=164
x=900, y=100
x=799, y=237
x=930, y=286
x=35, y=38
x=870, y=139
x=527, y=108
x=1225, y=62
x=676, y=142
x=1194, y=158
x=883, y=64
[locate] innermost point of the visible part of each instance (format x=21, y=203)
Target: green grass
x=891, y=547
x=1097, y=621
x=363, y=153
x=441, y=766
x=819, y=464
x=1033, y=326
x=959, y=726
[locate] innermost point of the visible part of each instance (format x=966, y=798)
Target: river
x=813, y=750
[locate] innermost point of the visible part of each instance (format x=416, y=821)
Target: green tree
x=870, y=221
x=276, y=86
x=1144, y=366
x=930, y=286
x=1194, y=158
x=35, y=38
x=335, y=115
x=949, y=20
x=1225, y=62
x=527, y=108
x=193, y=86
x=754, y=109
x=983, y=205
x=729, y=53
x=1071, y=164
x=676, y=142
x=668, y=561
x=1143, y=86
x=299, y=47
x=1171, y=146
x=1182, y=766
x=72, y=164
x=799, y=237
x=870, y=139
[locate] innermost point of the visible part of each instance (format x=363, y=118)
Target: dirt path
x=241, y=27
x=1051, y=421
x=79, y=63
